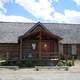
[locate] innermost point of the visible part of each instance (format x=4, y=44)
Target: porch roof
x=10, y=31
x=45, y=35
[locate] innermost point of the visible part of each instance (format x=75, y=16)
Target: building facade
x=39, y=40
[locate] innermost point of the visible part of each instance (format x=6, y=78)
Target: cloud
x=11, y=18
x=77, y=2
x=58, y=17
x=39, y=8
x=72, y=16
x=69, y=16
x=42, y=10
x=14, y=19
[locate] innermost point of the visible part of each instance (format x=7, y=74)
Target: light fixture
x=33, y=46
x=45, y=45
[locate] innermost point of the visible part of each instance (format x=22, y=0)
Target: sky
x=53, y=11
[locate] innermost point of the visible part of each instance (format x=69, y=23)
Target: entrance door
x=44, y=48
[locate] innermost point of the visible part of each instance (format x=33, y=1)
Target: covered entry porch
x=39, y=44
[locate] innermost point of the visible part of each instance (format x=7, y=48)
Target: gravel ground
x=31, y=74
x=43, y=74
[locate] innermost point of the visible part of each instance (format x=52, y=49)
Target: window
x=67, y=49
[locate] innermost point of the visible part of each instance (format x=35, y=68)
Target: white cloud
x=69, y=16
x=77, y=2
x=11, y=18
x=42, y=9
x=14, y=19
x=58, y=17
x=72, y=16
x=38, y=8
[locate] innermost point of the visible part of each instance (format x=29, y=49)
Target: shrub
x=20, y=63
x=62, y=57
x=69, y=63
x=66, y=68
x=60, y=64
x=25, y=63
x=6, y=63
x=64, y=63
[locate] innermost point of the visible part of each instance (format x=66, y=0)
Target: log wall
x=9, y=51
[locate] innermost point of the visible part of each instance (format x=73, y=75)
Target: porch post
x=20, y=56
x=40, y=46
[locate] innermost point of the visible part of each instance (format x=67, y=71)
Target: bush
x=62, y=57
x=33, y=63
x=20, y=63
x=25, y=63
x=69, y=63
x=60, y=64
x=7, y=63
x=64, y=63
x=66, y=68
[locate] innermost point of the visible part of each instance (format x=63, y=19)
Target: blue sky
x=60, y=11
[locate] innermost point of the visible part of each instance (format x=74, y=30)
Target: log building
x=38, y=40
